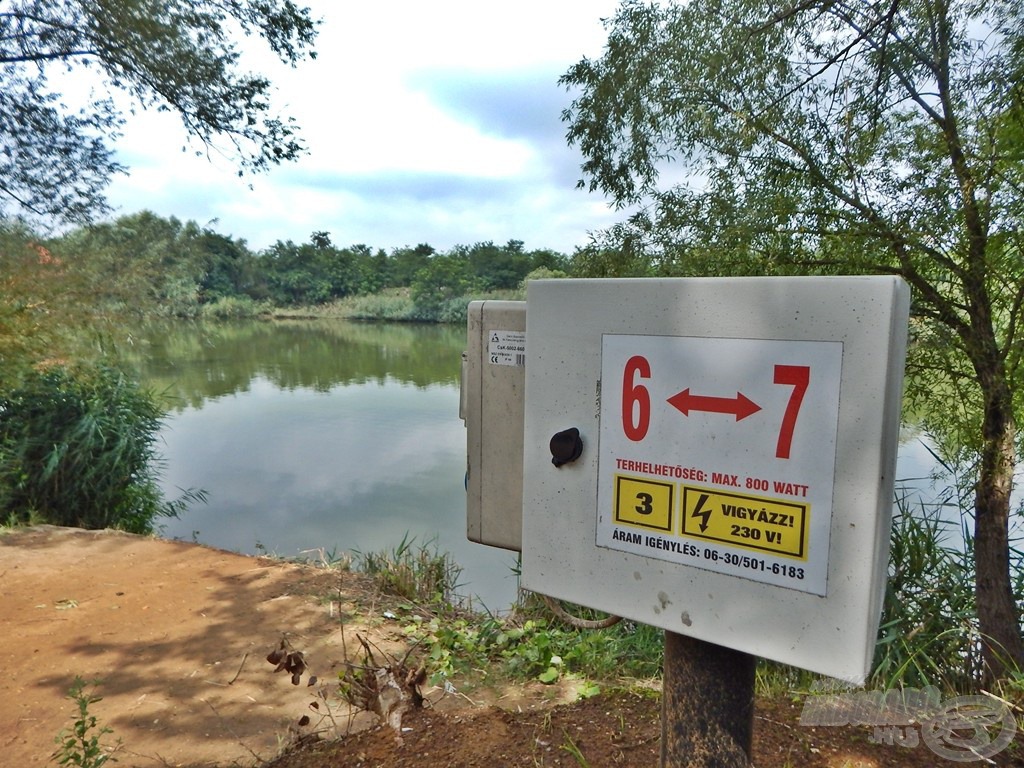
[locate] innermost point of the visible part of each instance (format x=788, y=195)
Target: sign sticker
x=720, y=454
x=506, y=348
x=644, y=503
x=775, y=526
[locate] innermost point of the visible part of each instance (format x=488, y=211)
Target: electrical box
x=492, y=405
x=712, y=456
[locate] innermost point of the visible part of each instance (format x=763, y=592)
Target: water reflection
x=322, y=434
x=193, y=362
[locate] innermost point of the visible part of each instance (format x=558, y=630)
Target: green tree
x=365, y=265
x=406, y=262
x=841, y=138
x=545, y=258
x=294, y=273
x=224, y=263
x=498, y=267
x=378, y=272
x=138, y=263
x=177, y=56
x=317, y=271
x=445, y=277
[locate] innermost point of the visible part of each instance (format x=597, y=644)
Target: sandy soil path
x=176, y=633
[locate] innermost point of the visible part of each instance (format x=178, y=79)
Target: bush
x=454, y=310
x=381, y=306
x=77, y=449
x=229, y=307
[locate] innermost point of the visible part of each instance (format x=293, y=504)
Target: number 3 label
x=646, y=505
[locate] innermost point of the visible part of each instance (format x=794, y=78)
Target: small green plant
x=571, y=747
x=81, y=745
x=534, y=649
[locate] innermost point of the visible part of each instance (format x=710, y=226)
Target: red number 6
x=636, y=400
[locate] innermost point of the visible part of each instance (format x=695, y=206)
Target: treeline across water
x=143, y=262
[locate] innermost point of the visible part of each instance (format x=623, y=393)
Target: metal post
x=707, y=705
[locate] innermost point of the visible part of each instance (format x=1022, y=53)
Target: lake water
x=335, y=435
x=321, y=434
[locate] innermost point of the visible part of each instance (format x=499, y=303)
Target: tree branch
x=49, y=56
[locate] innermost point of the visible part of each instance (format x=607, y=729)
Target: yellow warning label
x=645, y=503
x=752, y=522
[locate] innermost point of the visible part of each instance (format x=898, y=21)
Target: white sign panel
x=719, y=453
x=739, y=436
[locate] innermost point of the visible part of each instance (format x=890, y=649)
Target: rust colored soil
x=177, y=634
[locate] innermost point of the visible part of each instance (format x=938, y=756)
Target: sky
x=433, y=123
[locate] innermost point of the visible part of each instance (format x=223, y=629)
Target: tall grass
x=929, y=630
x=394, y=306
x=419, y=573
x=78, y=448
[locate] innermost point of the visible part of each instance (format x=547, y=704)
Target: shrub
x=454, y=310
x=77, y=449
x=228, y=307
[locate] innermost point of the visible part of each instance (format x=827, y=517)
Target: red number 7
x=796, y=376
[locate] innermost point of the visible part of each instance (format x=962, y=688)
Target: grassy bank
x=395, y=305
x=928, y=634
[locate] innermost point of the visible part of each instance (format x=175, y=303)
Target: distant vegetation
x=146, y=264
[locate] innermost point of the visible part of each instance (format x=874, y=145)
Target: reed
x=78, y=448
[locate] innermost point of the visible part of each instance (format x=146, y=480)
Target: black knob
x=566, y=446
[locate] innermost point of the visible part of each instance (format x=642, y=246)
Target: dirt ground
x=177, y=635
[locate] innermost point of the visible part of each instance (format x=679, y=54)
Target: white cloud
x=426, y=122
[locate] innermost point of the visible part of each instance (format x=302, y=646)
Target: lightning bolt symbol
x=702, y=513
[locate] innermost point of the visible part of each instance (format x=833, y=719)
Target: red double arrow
x=740, y=406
